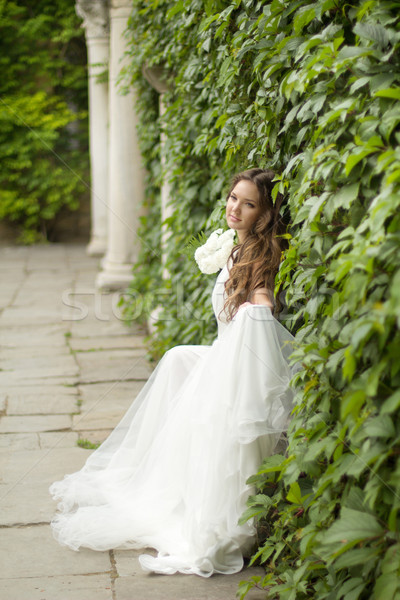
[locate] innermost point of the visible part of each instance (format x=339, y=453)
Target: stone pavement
x=69, y=369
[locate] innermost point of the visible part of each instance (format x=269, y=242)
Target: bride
x=172, y=475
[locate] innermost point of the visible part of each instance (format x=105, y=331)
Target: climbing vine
x=311, y=89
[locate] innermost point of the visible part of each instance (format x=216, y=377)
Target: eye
x=251, y=204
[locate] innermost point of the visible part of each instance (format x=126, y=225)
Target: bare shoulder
x=261, y=296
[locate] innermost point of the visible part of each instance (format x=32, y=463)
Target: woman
x=172, y=475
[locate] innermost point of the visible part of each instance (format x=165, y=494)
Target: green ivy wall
x=311, y=89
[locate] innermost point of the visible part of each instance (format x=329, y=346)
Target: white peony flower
x=212, y=256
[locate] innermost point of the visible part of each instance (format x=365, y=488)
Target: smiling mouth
x=234, y=218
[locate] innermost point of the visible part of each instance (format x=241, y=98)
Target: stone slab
x=21, y=316
x=127, y=563
x=16, y=265
x=115, y=392
x=112, y=365
x=133, y=352
x=26, y=466
x=58, y=439
x=87, y=328
x=6, y=296
x=38, y=441
x=62, y=587
x=19, y=441
x=97, y=313
x=18, y=379
x=29, y=374
x=40, y=555
x=108, y=342
x=182, y=587
x=38, y=297
x=45, y=364
x=30, y=424
x=90, y=326
x=12, y=277
x=35, y=353
x=176, y=587
x=32, y=335
x=9, y=288
x=12, y=273
x=115, y=396
x=51, y=282
x=94, y=436
x=88, y=302
x=103, y=405
x=41, y=404
x=25, y=504
x=45, y=265
x=13, y=252
x=44, y=250
x=95, y=421
x=3, y=404
x=43, y=389
x=46, y=292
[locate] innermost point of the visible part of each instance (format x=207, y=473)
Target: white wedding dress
x=172, y=475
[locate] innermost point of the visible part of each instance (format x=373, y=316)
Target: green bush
x=43, y=125
x=311, y=89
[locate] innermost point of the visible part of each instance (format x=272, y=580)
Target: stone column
x=126, y=175
x=166, y=206
x=96, y=23
x=158, y=79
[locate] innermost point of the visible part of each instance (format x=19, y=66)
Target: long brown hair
x=255, y=263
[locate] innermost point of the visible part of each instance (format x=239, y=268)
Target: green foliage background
x=43, y=114
x=311, y=89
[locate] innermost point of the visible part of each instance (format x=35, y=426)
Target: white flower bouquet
x=213, y=255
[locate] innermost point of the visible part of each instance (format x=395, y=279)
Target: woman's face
x=243, y=208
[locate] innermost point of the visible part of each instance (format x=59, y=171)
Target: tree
x=43, y=110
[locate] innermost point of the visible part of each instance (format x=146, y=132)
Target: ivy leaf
x=303, y=17
x=343, y=197
x=352, y=403
x=294, y=494
x=375, y=33
x=381, y=426
x=387, y=586
x=175, y=9
x=392, y=403
x=351, y=589
x=353, y=526
x=354, y=159
x=388, y=93
x=356, y=557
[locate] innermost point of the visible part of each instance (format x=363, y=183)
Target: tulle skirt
x=172, y=475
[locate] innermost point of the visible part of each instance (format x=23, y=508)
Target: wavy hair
x=255, y=263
